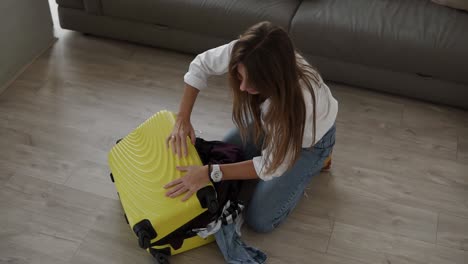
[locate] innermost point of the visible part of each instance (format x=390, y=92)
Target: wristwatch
x=216, y=173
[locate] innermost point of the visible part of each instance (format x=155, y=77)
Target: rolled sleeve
x=211, y=62
x=199, y=82
x=260, y=167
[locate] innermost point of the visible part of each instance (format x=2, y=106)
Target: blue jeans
x=234, y=250
x=272, y=201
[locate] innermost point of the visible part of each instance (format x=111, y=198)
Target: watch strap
x=209, y=173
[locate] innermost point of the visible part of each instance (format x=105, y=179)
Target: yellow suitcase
x=141, y=165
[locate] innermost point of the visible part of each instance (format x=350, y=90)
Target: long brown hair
x=273, y=70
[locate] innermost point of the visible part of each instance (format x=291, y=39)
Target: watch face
x=217, y=176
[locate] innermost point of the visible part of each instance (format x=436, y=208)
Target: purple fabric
x=218, y=152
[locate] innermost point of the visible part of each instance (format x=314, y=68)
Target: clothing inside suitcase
x=211, y=198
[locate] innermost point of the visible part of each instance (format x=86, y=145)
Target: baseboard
x=22, y=69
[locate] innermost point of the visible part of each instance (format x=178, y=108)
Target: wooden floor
x=397, y=193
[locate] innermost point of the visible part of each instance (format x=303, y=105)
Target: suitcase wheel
x=144, y=240
x=112, y=177
x=145, y=232
x=161, y=256
x=117, y=142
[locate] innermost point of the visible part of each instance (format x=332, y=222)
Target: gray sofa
x=408, y=47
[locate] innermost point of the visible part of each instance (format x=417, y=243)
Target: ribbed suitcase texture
x=141, y=164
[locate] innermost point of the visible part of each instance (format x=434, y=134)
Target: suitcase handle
x=208, y=199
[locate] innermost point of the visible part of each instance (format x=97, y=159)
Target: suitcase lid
x=141, y=165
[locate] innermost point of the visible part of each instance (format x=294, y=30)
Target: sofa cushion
x=457, y=4
x=77, y=4
x=414, y=36
x=220, y=18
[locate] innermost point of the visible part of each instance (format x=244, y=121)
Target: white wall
x=26, y=30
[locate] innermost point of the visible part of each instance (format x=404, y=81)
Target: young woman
x=285, y=117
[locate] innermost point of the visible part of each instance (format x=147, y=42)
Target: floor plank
x=350, y=207
x=37, y=238
x=376, y=247
x=448, y=256
x=462, y=154
x=55, y=200
x=405, y=191
x=453, y=231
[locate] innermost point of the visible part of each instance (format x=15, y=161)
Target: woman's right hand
x=178, y=137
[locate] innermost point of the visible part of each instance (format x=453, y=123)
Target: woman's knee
x=263, y=222
x=264, y=216
x=259, y=224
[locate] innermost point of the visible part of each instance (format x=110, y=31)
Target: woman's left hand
x=195, y=178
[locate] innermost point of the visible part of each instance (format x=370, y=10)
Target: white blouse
x=215, y=62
